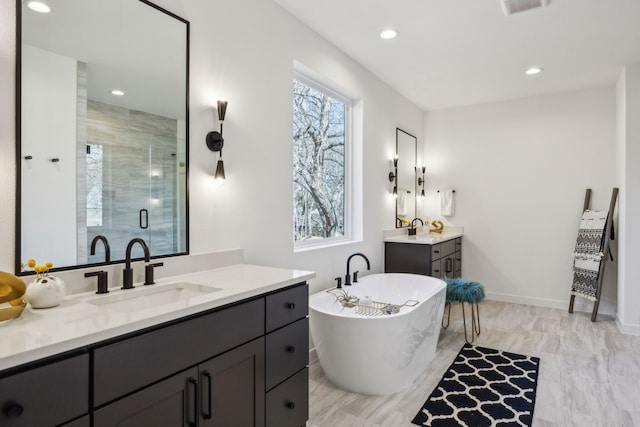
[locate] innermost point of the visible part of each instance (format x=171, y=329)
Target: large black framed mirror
x=102, y=131
x=406, y=152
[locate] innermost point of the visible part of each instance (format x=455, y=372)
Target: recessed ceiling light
x=38, y=6
x=388, y=34
x=117, y=92
x=533, y=71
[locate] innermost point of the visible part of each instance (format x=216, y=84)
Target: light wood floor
x=589, y=372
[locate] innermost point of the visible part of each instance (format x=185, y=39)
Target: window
x=321, y=120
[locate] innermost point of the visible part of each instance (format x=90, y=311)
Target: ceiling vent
x=515, y=6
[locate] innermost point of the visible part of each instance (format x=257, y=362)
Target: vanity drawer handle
x=14, y=410
x=290, y=404
x=291, y=305
x=436, y=252
x=291, y=349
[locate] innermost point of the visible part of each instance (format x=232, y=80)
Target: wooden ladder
x=607, y=236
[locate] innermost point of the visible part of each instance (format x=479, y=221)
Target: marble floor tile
x=589, y=372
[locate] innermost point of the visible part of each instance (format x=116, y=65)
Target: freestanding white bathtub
x=382, y=354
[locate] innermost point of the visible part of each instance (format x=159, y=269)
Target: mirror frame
x=18, y=142
x=413, y=167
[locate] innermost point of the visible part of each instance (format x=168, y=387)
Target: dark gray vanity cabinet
x=438, y=260
x=48, y=395
x=242, y=365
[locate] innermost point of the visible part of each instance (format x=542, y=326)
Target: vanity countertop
x=75, y=323
x=423, y=238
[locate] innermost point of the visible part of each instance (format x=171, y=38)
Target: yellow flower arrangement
x=41, y=270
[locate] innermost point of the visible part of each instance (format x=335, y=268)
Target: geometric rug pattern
x=483, y=387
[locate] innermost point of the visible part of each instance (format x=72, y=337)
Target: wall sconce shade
x=219, y=175
x=393, y=176
x=422, y=181
x=215, y=141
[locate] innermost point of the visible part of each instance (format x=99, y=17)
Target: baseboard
x=579, y=305
x=625, y=328
x=313, y=355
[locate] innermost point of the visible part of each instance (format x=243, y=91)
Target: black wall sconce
x=422, y=182
x=215, y=141
x=393, y=176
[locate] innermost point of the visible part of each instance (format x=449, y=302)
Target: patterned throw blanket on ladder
x=588, y=254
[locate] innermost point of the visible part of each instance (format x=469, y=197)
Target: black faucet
x=127, y=273
x=412, y=230
x=107, y=250
x=347, y=278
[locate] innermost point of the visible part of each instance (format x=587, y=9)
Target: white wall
x=520, y=170
x=247, y=58
x=49, y=131
x=628, y=179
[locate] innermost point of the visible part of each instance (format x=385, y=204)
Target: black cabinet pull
x=144, y=213
x=436, y=252
x=194, y=395
x=207, y=415
x=291, y=349
x=449, y=265
x=290, y=404
x=14, y=410
x=291, y=305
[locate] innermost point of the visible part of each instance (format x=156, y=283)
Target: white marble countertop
x=75, y=323
x=424, y=238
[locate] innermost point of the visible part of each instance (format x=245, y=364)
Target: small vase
x=45, y=292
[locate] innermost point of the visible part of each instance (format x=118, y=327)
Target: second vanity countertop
x=40, y=333
x=400, y=235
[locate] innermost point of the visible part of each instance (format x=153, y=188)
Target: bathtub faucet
x=347, y=278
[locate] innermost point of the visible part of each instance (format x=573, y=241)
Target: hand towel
x=446, y=202
x=402, y=202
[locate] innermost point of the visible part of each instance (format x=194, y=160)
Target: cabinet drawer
x=48, y=395
x=459, y=244
x=287, y=351
x=436, y=271
x=132, y=363
x=287, y=306
x=288, y=404
x=443, y=249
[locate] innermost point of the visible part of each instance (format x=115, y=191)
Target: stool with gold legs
x=464, y=291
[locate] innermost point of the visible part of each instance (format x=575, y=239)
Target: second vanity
x=235, y=353
x=430, y=254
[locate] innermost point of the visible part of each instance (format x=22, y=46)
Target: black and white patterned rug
x=483, y=387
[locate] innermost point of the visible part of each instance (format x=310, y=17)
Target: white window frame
x=332, y=91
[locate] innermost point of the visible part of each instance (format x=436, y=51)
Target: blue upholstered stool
x=461, y=290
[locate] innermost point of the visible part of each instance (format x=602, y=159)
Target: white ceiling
x=461, y=52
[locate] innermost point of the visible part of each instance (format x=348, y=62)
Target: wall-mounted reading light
x=422, y=182
x=393, y=176
x=215, y=141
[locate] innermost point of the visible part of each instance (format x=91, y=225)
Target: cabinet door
x=170, y=403
x=232, y=387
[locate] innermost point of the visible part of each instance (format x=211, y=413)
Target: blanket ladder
x=607, y=236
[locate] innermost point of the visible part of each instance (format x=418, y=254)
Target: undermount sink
x=151, y=296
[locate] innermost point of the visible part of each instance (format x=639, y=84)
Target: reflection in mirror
x=406, y=146
x=102, y=125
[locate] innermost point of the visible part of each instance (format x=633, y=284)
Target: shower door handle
x=144, y=214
